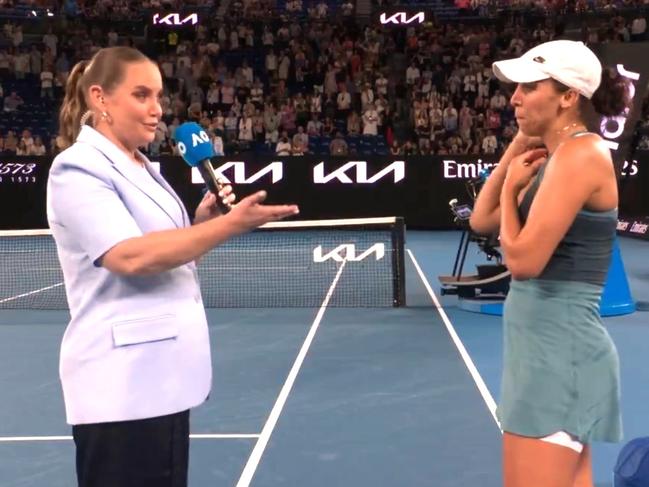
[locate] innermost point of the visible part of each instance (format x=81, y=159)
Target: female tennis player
x=556, y=210
x=135, y=356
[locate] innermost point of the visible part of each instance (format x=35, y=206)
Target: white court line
x=260, y=446
x=477, y=378
x=222, y=437
x=16, y=439
x=5, y=300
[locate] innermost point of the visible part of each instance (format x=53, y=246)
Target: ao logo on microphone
x=197, y=139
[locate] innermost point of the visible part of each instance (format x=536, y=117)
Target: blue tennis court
x=321, y=396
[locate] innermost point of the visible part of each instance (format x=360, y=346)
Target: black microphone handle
x=213, y=184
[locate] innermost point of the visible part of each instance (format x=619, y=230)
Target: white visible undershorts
x=564, y=439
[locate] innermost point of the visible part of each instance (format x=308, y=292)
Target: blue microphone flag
x=194, y=144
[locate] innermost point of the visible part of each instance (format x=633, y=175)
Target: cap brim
x=518, y=70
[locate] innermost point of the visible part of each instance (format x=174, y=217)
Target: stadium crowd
x=294, y=78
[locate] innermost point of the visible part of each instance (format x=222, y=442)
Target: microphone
x=196, y=150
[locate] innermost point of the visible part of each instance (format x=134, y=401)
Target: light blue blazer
x=136, y=346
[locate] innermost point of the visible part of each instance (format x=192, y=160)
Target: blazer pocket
x=143, y=330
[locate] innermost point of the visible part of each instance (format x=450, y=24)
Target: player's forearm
x=489, y=197
x=510, y=225
x=488, y=200
x=517, y=249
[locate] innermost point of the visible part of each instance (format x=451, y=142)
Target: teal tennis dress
x=561, y=368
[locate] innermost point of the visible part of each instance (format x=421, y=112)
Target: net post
x=398, y=263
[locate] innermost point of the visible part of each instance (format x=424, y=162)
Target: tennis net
x=283, y=264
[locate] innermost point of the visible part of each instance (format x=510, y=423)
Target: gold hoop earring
x=85, y=117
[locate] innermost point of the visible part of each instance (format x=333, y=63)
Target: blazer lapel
x=162, y=181
x=134, y=174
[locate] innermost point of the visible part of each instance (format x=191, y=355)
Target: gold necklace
x=568, y=127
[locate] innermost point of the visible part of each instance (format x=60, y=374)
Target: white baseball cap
x=571, y=63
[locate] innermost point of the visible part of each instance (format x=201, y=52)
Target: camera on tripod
x=492, y=280
x=462, y=212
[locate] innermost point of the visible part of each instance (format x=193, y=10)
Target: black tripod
x=492, y=279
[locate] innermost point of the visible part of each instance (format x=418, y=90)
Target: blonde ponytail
x=73, y=107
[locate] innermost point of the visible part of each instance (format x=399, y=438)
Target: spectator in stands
x=492, y=118
x=639, y=28
x=498, y=101
x=322, y=10
x=26, y=138
x=470, y=85
x=314, y=127
x=367, y=96
x=231, y=126
x=370, y=120
x=301, y=140
x=465, y=120
x=213, y=97
x=353, y=123
x=17, y=36
x=54, y=146
x=194, y=111
x=217, y=143
x=347, y=9
x=258, y=126
x=288, y=116
x=22, y=149
x=11, y=143
x=166, y=148
x=489, y=143
x=257, y=94
x=283, y=147
x=38, y=148
x=51, y=40
x=450, y=119
x=6, y=64
x=328, y=127
x=271, y=64
x=21, y=64
x=343, y=103
x=62, y=69
x=12, y=102
x=245, y=128
x=271, y=124
x=409, y=148
x=509, y=132
x=338, y=146
x=227, y=94
x=297, y=149
x=412, y=74
x=333, y=55
x=644, y=143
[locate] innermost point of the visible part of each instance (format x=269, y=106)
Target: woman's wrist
x=517, y=147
